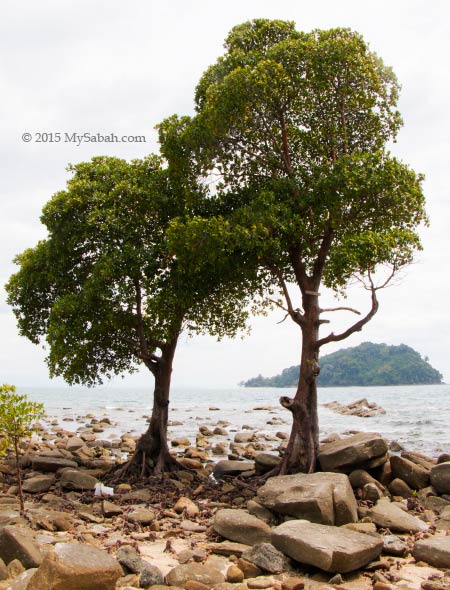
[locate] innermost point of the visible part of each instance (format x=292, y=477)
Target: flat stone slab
x=387, y=515
x=226, y=467
x=332, y=549
x=352, y=451
x=324, y=498
x=242, y=527
x=51, y=464
x=434, y=551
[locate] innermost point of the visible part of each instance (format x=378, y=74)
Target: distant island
x=363, y=365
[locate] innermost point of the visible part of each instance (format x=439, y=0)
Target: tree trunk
x=152, y=456
x=301, y=452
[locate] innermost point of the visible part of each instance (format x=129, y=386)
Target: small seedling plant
x=18, y=418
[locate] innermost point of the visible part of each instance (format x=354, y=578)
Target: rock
x=443, y=458
x=72, y=479
x=110, y=509
x=244, y=437
x=360, y=477
x=390, y=516
x=416, y=476
x=371, y=492
x=324, y=498
x=227, y=548
x=351, y=452
x=293, y=583
x=149, y=575
x=259, y=583
x=38, y=484
x=264, y=462
x=3, y=570
x=332, y=549
x=398, y=487
x=141, y=516
x=225, y=467
x=392, y=545
x=187, y=506
x=440, y=477
x=72, y=566
x=268, y=558
x=181, y=442
x=435, y=551
x=368, y=528
x=240, y=526
x=15, y=568
x=260, y=511
x=51, y=464
x=198, y=572
x=250, y=569
x=74, y=443
x=18, y=543
x=234, y=574
x=22, y=581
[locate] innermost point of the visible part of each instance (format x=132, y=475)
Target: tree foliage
x=365, y=365
x=18, y=420
x=103, y=290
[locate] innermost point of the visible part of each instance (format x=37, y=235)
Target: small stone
x=186, y=506
x=141, y=516
x=3, y=570
x=15, y=568
x=259, y=583
x=293, y=584
x=194, y=585
x=337, y=579
x=18, y=543
x=234, y=574
x=268, y=558
x=249, y=569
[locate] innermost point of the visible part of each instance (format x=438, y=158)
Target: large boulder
x=240, y=526
x=51, y=464
x=434, y=551
x=18, y=543
x=365, y=449
x=440, y=477
x=388, y=515
x=333, y=549
x=72, y=479
x=416, y=476
x=324, y=498
x=197, y=572
x=226, y=467
x=72, y=566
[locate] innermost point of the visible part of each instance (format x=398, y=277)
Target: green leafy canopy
x=295, y=127
x=104, y=289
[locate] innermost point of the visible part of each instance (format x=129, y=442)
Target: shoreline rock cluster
x=370, y=519
x=361, y=407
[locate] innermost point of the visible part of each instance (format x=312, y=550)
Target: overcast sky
x=121, y=67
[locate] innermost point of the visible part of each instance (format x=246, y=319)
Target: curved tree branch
x=340, y=309
x=356, y=327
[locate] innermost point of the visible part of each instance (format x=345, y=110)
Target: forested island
x=363, y=365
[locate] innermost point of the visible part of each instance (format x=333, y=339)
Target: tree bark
x=152, y=456
x=302, y=448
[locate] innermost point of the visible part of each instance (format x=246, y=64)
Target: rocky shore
x=372, y=518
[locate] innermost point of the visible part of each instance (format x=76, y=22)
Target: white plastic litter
x=101, y=490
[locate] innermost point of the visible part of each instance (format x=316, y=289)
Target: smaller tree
x=18, y=417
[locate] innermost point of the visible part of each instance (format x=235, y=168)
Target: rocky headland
x=372, y=518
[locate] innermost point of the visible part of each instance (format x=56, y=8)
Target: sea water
x=417, y=417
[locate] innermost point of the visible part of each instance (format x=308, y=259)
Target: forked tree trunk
x=302, y=448
x=152, y=456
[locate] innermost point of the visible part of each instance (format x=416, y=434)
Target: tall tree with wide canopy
x=294, y=127
x=105, y=293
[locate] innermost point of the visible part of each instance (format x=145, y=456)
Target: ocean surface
x=417, y=417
